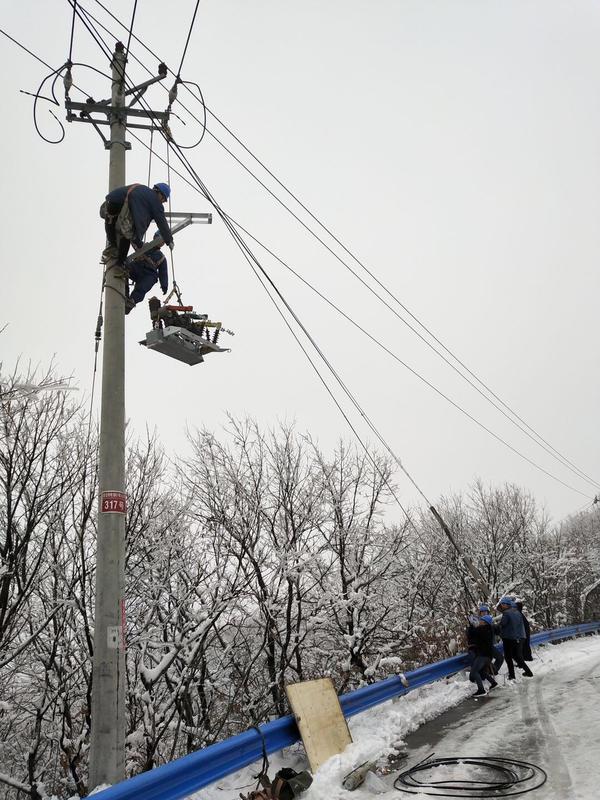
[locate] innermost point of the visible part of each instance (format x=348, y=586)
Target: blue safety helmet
x=484, y=607
x=487, y=618
x=506, y=601
x=163, y=188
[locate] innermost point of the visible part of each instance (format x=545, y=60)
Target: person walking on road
x=512, y=633
x=480, y=640
x=527, y=655
x=483, y=610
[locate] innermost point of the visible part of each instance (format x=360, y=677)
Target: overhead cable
x=491, y=397
x=376, y=341
x=187, y=41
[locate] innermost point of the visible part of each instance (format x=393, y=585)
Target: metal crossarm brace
x=105, y=109
x=186, y=219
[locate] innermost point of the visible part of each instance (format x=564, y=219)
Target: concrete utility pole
x=107, y=751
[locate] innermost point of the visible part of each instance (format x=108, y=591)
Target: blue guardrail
x=188, y=774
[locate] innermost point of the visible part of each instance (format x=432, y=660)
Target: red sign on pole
x=113, y=503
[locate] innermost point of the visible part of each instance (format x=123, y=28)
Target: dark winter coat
x=144, y=206
x=156, y=260
x=511, y=625
x=527, y=655
x=480, y=640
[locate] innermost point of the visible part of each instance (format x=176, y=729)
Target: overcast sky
x=452, y=146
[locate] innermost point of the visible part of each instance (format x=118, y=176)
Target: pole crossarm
x=90, y=108
x=186, y=219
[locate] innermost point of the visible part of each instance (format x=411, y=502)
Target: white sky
x=453, y=146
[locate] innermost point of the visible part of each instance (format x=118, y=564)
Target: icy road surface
x=552, y=720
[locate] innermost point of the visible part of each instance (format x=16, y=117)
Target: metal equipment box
x=180, y=344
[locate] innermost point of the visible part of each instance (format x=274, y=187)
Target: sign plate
x=113, y=503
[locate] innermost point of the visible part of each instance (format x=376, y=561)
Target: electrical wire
x=56, y=74
x=353, y=322
x=187, y=41
x=394, y=297
x=72, y=33
x=304, y=329
x=131, y=29
x=507, y=777
x=185, y=83
x=517, y=420
x=22, y=46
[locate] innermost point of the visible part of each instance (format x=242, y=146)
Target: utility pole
x=107, y=750
x=107, y=747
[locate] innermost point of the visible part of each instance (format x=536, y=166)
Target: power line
x=131, y=29
x=22, y=46
x=378, y=343
x=72, y=33
x=103, y=45
x=500, y=405
x=187, y=41
x=517, y=421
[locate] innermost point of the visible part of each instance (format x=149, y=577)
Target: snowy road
x=552, y=720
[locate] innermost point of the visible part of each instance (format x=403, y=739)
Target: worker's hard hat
x=163, y=188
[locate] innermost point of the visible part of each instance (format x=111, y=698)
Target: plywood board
x=320, y=719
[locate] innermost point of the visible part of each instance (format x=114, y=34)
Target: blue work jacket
x=511, y=625
x=145, y=206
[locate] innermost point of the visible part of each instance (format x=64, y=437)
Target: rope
x=172, y=257
x=150, y=153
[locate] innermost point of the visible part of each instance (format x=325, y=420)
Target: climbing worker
x=512, y=632
x=127, y=213
x=144, y=272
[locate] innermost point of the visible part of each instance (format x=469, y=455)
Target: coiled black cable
x=506, y=777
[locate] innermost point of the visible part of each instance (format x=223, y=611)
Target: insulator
x=162, y=69
x=68, y=80
x=216, y=336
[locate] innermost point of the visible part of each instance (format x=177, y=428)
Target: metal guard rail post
x=186, y=775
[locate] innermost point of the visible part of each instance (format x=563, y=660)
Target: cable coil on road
x=506, y=778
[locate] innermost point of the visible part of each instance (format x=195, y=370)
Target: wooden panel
x=320, y=719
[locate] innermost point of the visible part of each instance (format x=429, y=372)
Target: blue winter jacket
x=511, y=625
x=145, y=207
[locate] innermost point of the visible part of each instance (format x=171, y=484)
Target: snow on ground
x=551, y=720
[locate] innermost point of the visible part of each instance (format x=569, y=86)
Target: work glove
x=171, y=245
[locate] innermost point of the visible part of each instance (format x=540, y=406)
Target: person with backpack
x=127, y=213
